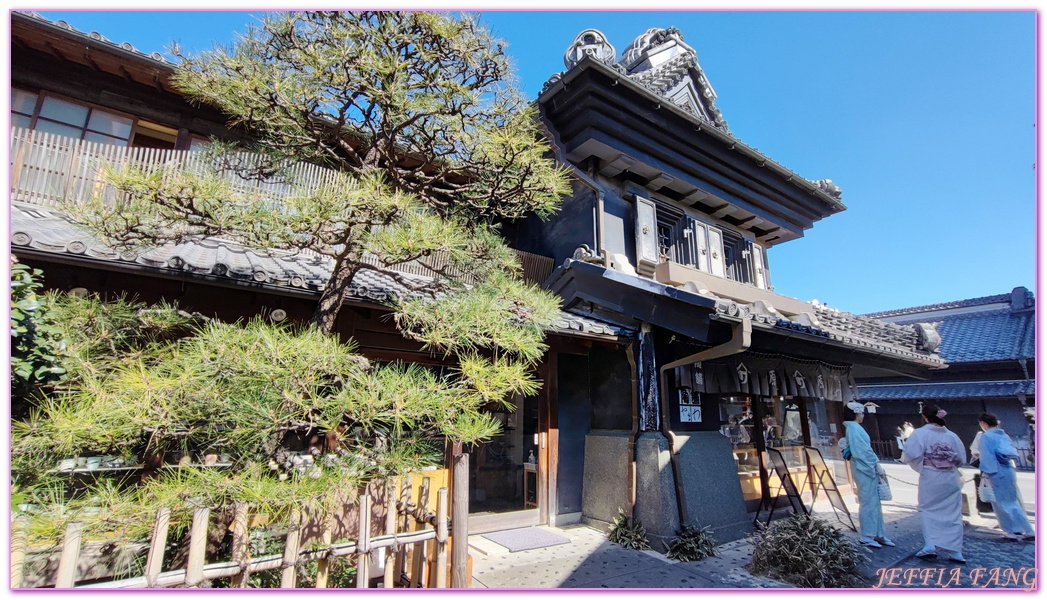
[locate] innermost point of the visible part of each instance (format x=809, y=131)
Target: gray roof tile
x=48, y=230
x=948, y=390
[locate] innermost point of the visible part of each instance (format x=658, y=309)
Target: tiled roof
x=985, y=300
x=948, y=390
x=868, y=332
x=862, y=333
x=987, y=336
x=989, y=328
x=49, y=231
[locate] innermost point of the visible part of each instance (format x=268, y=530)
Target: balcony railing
x=54, y=170
x=57, y=171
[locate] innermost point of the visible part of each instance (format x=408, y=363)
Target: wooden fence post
x=323, y=566
x=154, y=562
x=19, y=543
x=194, y=570
x=418, y=564
x=241, y=547
x=441, y=538
x=389, y=574
x=405, y=499
x=294, y=534
x=363, y=541
x=70, y=555
x=460, y=519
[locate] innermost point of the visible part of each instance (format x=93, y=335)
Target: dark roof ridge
x=970, y=302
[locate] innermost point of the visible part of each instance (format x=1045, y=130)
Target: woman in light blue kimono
x=997, y=452
x=863, y=469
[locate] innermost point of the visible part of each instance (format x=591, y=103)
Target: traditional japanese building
x=666, y=234
x=990, y=344
x=675, y=367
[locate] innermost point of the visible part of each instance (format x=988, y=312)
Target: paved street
x=590, y=561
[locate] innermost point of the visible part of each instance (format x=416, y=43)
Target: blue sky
x=925, y=119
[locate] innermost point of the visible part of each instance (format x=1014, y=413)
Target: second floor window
x=68, y=118
x=682, y=239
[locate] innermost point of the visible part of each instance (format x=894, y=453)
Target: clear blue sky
x=925, y=119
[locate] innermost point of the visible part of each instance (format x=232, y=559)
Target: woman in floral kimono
x=997, y=451
x=936, y=453
x=863, y=468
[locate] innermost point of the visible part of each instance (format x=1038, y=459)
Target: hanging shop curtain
x=767, y=376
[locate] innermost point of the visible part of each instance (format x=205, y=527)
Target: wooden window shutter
x=760, y=267
x=716, y=263
x=646, y=236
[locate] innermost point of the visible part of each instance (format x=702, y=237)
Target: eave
x=598, y=112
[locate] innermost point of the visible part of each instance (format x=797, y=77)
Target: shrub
x=36, y=343
x=629, y=535
x=806, y=552
x=692, y=543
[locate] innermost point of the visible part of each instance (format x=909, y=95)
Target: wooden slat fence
x=409, y=527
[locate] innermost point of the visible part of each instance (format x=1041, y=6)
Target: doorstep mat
x=527, y=538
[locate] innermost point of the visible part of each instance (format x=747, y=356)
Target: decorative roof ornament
x=662, y=62
x=927, y=337
x=590, y=42
x=652, y=38
x=827, y=186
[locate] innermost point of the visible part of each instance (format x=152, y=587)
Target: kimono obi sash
x=941, y=456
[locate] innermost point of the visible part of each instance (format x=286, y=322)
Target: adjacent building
x=990, y=345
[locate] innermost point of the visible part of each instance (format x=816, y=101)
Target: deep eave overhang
x=802, y=202
x=696, y=316
x=91, y=50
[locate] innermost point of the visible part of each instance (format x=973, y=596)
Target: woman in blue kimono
x=863, y=469
x=997, y=452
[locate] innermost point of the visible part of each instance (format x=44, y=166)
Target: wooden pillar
x=460, y=518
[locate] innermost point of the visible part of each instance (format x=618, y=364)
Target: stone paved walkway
x=590, y=561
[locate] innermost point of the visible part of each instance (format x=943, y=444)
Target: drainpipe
x=631, y=477
x=741, y=338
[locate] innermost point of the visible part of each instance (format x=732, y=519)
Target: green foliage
x=628, y=534
x=299, y=415
x=36, y=343
x=806, y=552
x=362, y=90
x=417, y=112
x=692, y=543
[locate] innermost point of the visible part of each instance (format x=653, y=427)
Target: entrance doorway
x=786, y=424
x=503, y=478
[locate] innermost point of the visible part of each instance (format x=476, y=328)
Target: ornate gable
x=660, y=61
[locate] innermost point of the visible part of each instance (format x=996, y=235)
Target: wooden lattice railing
x=409, y=528
x=55, y=171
